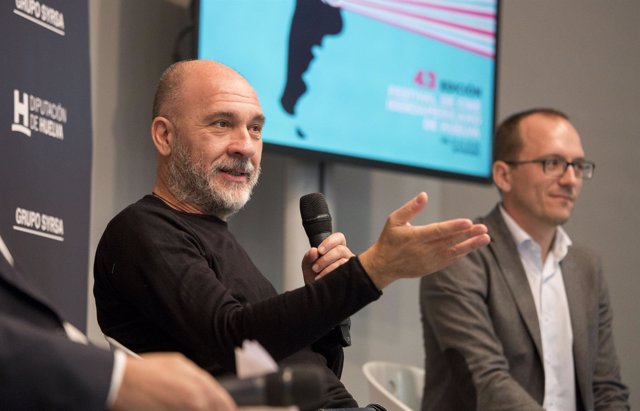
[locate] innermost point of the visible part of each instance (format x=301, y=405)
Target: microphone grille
x=313, y=205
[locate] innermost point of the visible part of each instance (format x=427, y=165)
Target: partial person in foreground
x=46, y=364
x=524, y=323
x=170, y=276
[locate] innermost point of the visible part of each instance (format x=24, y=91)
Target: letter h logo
x=21, y=109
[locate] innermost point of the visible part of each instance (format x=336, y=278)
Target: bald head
x=191, y=74
x=508, y=141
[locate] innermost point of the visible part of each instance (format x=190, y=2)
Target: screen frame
x=326, y=156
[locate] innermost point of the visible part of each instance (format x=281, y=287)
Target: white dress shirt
x=550, y=298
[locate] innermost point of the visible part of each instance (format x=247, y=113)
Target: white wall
x=578, y=55
x=131, y=43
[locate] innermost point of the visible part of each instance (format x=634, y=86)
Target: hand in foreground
x=169, y=381
x=330, y=254
x=406, y=251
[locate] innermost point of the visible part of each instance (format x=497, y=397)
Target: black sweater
x=172, y=281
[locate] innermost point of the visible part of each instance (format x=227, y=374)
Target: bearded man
x=169, y=276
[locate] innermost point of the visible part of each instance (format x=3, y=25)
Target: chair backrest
x=396, y=387
x=116, y=345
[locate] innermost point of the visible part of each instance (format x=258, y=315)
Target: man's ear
x=502, y=175
x=162, y=134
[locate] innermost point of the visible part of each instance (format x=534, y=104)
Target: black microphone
x=301, y=386
x=370, y=407
x=316, y=221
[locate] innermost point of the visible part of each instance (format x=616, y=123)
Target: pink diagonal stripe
x=461, y=10
x=443, y=39
x=487, y=33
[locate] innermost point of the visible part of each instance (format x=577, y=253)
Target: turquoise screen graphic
x=400, y=82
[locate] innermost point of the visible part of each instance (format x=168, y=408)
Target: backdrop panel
x=45, y=146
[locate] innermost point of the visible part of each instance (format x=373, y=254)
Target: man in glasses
x=525, y=323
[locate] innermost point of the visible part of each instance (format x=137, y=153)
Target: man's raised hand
x=407, y=251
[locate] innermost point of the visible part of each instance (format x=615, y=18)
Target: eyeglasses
x=556, y=167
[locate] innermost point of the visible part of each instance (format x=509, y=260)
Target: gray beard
x=191, y=181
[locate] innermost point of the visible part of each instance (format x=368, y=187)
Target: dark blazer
x=40, y=368
x=482, y=337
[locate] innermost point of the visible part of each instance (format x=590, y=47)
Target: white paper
x=252, y=360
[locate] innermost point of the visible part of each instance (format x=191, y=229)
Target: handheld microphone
x=370, y=407
x=316, y=221
x=301, y=386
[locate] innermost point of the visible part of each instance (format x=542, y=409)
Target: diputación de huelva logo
x=34, y=114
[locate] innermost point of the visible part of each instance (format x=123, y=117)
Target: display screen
x=405, y=84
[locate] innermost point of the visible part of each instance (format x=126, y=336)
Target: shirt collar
x=560, y=245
